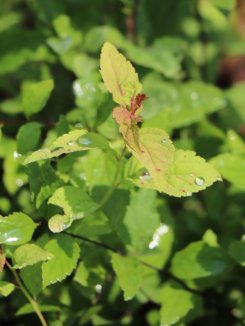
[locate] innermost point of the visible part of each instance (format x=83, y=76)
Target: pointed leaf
x=66, y=253
x=205, y=261
x=140, y=213
x=6, y=288
x=176, y=304
x=175, y=172
x=16, y=229
x=29, y=254
x=28, y=137
x=119, y=75
x=128, y=271
x=74, y=141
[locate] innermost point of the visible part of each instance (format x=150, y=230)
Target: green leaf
x=235, y=95
x=119, y=75
x=235, y=142
x=99, y=167
x=74, y=201
x=231, y=167
x=164, y=56
x=175, y=172
x=6, y=288
x=59, y=223
x=129, y=274
x=16, y=229
x=29, y=254
x=32, y=277
x=97, y=35
x=66, y=253
x=205, y=261
x=28, y=309
x=28, y=137
x=140, y=221
x=177, y=105
x=74, y=141
x=43, y=181
x=35, y=96
x=237, y=251
x=177, y=303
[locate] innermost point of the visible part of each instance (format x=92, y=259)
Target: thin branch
x=165, y=273
x=27, y=295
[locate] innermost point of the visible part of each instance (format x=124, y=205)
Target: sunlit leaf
x=6, y=288
x=119, y=75
x=16, y=229
x=66, y=253
x=29, y=254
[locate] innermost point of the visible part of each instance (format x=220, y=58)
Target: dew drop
x=16, y=155
x=85, y=141
x=70, y=143
x=98, y=288
x=19, y=182
x=200, y=181
x=145, y=176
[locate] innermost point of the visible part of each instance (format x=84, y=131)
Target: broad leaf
x=231, y=167
x=119, y=75
x=66, y=253
x=28, y=137
x=129, y=274
x=16, y=229
x=140, y=213
x=35, y=96
x=175, y=172
x=205, y=261
x=177, y=303
x=29, y=254
x=32, y=277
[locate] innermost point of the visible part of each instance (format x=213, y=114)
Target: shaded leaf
x=205, y=261
x=231, y=167
x=237, y=251
x=28, y=137
x=35, y=96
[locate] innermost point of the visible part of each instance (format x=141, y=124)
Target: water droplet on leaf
x=145, y=176
x=200, y=181
x=84, y=141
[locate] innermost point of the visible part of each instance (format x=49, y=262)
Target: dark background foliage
x=190, y=58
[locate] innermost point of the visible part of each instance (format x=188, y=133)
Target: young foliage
x=175, y=172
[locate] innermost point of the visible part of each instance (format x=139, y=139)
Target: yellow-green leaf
x=175, y=172
x=119, y=75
